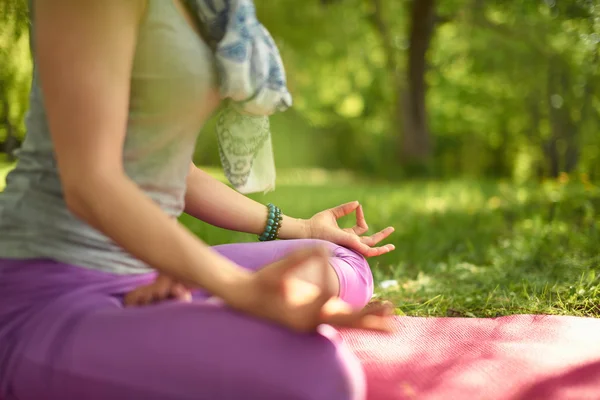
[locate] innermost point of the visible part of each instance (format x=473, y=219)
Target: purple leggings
x=64, y=334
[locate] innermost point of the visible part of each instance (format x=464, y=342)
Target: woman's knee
x=355, y=276
x=351, y=269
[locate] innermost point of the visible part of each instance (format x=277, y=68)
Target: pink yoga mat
x=523, y=357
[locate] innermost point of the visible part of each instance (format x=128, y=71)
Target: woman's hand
x=324, y=226
x=162, y=288
x=272, y=293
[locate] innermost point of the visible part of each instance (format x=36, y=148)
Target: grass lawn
x=464, y=248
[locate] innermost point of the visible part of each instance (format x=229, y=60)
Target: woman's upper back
x=172, y=93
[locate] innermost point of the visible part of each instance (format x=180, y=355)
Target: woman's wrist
x=294, y=228
x=226, y=280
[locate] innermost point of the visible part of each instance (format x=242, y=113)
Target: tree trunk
x=397, y=83
x=551, y=146
x=500, y=165
x=532, y=134
x=416, y=143
x=563, y=128
x=570, y=130
x=572, y=152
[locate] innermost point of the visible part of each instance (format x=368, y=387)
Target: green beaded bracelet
x=273, y=224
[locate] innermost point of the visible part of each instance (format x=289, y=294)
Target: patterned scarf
x=253, y=86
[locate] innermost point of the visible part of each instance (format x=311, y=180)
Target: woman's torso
x=173, y=92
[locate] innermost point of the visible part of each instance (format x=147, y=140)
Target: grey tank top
x=173, y=92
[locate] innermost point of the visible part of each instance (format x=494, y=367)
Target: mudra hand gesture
x=324, y=225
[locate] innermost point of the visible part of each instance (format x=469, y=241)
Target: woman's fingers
x=181, y=293
x=139, y=297
x=302, y=301
x=341, y=315
x=376, y=316
x=378, y=320
x=131, y=298
x=305, y=300
x=159, y=290
x=373, y=323
x=361, y=226
x=352, y=237
x=368, y=251
x=379, y=308
x=377, y=237
x=366, y=245
x=356, y=243
x=361, y=223
x=378, y=251
x=345, y=209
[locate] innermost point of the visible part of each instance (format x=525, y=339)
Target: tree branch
x=481, y=22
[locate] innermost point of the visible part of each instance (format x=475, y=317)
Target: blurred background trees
x=409, y=88
x=15, y=71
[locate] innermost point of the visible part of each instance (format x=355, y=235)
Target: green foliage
x=492, y=89
x=512, y=85
x=15, y=71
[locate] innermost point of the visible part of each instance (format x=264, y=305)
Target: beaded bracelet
x=273, y=224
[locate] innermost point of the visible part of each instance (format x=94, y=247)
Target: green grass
x=464, y=248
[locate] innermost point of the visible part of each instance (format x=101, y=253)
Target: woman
x=104, y=294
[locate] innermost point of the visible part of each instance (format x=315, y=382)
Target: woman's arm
x=85, y=51
x=214, y=202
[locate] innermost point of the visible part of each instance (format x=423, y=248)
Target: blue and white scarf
x=253, y=85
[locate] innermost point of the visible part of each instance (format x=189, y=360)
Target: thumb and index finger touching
x=343, y=210
x=352, y=238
